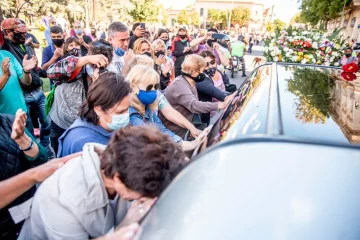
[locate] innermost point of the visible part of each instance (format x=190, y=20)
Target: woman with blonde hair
x=144, y=83
x=143, y=47
x=166, y=68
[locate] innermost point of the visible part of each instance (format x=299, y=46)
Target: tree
x=143, y=10
x=216, y=15
x=313, y=11
x=240, y=16
x=296, y=19
x=185, y=17
x=279, y=24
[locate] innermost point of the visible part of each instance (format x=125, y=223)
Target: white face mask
x=118, y=121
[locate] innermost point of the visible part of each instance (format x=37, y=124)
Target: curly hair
x=68, y=41
x=145, y=159
x=102, y=47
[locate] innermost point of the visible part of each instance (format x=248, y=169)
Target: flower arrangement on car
x=305, y=47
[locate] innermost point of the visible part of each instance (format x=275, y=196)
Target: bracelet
x=26, y=72
x=31, y=144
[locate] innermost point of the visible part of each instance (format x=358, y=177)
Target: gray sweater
x=184, y=98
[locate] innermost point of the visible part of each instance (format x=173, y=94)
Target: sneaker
x=49, y=152
x=244, y=75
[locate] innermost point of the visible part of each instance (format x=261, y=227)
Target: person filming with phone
x=138, y=32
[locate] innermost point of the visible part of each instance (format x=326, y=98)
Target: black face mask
x=165, y=40
x=159, y=53
x=182, y=36
x=58, y=42
x=348, y=55
x=19, y=37
x=147, y=54
x=210, y=42
x=199, y=78
x=74, y=52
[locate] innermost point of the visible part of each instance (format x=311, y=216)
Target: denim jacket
x=150, y=117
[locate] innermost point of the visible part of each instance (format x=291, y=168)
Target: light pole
x=342, y=15
x=232, y=5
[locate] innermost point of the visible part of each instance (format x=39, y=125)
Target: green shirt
x=11, y=96
x=237, y=49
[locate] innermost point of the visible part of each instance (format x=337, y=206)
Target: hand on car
x=138, y=210
x=124, y=233
x=5, y=67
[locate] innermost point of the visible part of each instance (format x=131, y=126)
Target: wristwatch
x=31, y=144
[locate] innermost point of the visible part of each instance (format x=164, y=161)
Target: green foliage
x=216, y=15
x=297, y=19
x=314, y=11
x=279, y=24
x=143, y=10
x=240, y=16
x=188, y=18
x=313, y=90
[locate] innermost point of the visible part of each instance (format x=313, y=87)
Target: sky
x=284, y=9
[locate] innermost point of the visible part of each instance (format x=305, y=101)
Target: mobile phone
x=142, y=25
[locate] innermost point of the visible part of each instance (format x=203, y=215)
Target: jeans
x=56, y=133
x=35, y=101
x=250, y=48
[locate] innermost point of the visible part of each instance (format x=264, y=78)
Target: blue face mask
x=147, y=97
x=78, y=31
x=120, y=52
x=118, y=121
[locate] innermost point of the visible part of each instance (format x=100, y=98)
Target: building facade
x=256, y=8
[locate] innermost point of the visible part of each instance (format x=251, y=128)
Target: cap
x=12, y=24
x=182, y=27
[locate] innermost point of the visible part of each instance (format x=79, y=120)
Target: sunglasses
x=151, y=86
x=212, y=62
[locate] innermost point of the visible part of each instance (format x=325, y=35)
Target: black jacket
x=133, y=38
x=12, y=162
x=178, y=51
x=164, y=80
x=19, y=54
x=207, y=91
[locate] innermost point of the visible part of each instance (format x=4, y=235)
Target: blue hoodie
x=80, y=133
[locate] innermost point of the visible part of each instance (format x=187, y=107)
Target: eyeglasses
x=212, y=62
x=151, y=86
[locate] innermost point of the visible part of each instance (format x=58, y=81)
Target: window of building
x=346, y=22
x=201, y=12
x=353, y=21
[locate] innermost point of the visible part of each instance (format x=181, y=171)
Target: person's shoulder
x=5, y=53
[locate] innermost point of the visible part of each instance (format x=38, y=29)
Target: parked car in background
x=282, y=162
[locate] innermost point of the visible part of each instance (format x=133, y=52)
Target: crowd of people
x=125, y=111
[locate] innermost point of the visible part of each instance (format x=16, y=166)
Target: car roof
x=259, y=188
x=312, y=103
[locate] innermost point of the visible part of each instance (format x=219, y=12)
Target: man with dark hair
x=118, y=36
x=15, y=34
x=138, y=32
x=53, y=53
x=89, y=194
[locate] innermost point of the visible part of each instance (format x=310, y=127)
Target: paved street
x=238, y=80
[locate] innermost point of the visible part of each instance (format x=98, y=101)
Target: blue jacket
x=150, y=117
x=80, y=133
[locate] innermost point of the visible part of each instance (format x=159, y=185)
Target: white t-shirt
x=117, y=64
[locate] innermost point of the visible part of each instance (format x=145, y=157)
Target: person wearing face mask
x=144, y=82
x=182, y=94
x=165, y=67
x=34, y=96
x=118, y=37
x=180, y=48
x=71, y=84
x=83, y=39
x=104, y=111
x=348, y=57
x=163, y=35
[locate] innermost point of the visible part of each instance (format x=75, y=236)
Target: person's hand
x=128, y=56
x=167, y=68
x=81, y=39
x=18, y=127
x=216, y=46
x=124, y=233
x=99, y=60
x=160, y=60
x=187, y=49
x=202, y=135
x=138, y=210
x=195, y=132
x=96, y=74
x=227, y=101
x=208, y=35
x=45, y=170
x=29, y=40
x=29, y=64
x=5, y=67
x=58, y=53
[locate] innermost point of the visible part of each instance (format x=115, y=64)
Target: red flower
x=350, y=68
x=307, y=44
x=348, y=76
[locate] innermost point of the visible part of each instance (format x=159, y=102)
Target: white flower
x=305, y=32
x=315, y=45
x=273, y=35
x=273, y=40
x=276, y=59
x=316, y=36
x=294, y=33
x=313, y=60
x=291, y=51
x=277, y=52
x=327, y=64
x=288, y=54
x=273, y=54
x=336, y=64
x=294, y=58
x=332, y=59
x=286, y=49
x=303, y=61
